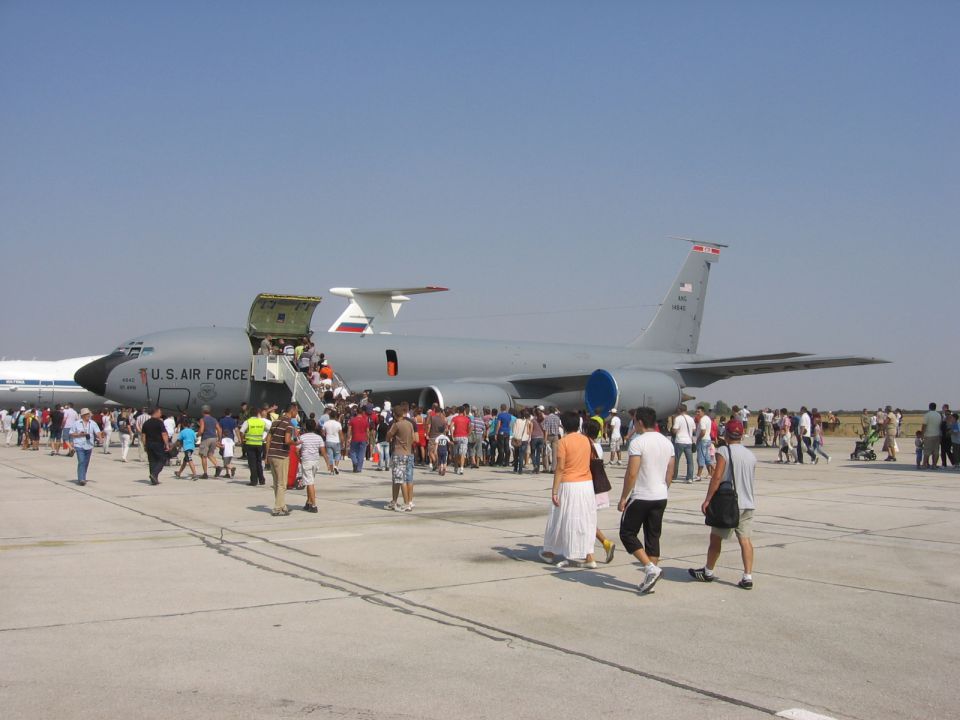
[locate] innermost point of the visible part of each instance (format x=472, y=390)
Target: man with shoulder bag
x=729, y=505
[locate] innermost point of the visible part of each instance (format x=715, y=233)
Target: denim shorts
x=703, y=453
x=334, y=453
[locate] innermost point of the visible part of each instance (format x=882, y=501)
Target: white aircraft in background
x=45, y=383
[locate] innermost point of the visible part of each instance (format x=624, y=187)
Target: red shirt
x=359, y=426
x=461, y=426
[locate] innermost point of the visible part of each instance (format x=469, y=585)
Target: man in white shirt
x=138, y=422
x=644, y=498
x=7, y=419
x=704, y=428
x=930, y=432
x=683, y=430
x=70, y=416
x=768, y=427
x=806, y=436
x=616, y=438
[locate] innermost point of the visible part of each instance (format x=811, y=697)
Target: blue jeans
x=536, y=452
x=686, y=449
x=358, y=451
x=818, y=448
x=384, y=449
x=83, y=460
x=519, y=455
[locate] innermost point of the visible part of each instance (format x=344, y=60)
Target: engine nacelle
x=476, y=395
x=628, y=389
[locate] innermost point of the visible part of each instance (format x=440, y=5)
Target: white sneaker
x=391, y=506
x=650, y=579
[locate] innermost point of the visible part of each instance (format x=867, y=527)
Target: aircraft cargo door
x=286, y=316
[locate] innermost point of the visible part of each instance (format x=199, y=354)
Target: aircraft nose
x=93, y=375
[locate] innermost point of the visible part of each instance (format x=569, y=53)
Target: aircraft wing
x=704, y=372
x=371, y=310
x=527, y=386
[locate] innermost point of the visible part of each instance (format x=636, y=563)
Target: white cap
x=613, y=410
x=376, y=409
x=540, y=407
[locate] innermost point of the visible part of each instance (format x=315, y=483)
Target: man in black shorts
x=644, y=498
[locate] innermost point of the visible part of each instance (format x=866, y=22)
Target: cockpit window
x=133, y=349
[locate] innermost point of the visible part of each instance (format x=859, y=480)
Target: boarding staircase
x=279, y=369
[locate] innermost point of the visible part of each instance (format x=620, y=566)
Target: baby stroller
x=863, y=450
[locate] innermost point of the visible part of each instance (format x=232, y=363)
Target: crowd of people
x=401, y=438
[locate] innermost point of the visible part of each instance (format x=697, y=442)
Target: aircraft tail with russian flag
x=372, y=310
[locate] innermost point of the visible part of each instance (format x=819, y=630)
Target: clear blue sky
x=163, y=162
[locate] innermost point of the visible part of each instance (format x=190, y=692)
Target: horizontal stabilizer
x=700, y=373
x=371, y=310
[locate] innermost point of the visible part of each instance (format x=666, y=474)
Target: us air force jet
x=185, y=369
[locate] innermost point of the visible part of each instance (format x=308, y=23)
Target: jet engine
x=627, y=389
x=474, y=394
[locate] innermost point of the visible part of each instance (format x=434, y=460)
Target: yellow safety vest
x=255, y=428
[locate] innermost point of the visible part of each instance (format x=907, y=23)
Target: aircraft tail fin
x=372, y=310
x=676, y=326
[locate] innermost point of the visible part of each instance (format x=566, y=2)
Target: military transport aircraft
x=187, y=368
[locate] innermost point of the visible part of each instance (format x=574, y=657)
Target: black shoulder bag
x=601, y=483
x=724, y=508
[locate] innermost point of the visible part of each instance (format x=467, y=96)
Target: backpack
x=34, y=425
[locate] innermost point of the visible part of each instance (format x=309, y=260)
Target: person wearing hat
x=615, y=436
x=744, y=464
x=83, y=434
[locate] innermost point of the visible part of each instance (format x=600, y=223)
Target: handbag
x=724, y=508
x=601, y=483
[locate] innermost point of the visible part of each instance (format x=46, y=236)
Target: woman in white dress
x=572, y=525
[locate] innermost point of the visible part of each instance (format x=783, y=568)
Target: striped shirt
x=277, y=447
x=310, y=445
x=477, y=426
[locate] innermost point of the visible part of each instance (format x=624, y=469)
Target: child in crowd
x=443, y=446
x=918, y=444
x=188, y=443
x=226, y=451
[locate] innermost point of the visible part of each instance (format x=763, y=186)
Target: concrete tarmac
x=189, y=600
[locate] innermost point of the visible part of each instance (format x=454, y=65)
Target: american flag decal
x=686, y=287
x=707, y=250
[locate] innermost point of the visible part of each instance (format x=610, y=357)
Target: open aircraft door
x=286, y=316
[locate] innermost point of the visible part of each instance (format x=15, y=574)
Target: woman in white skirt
x=572, y=525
